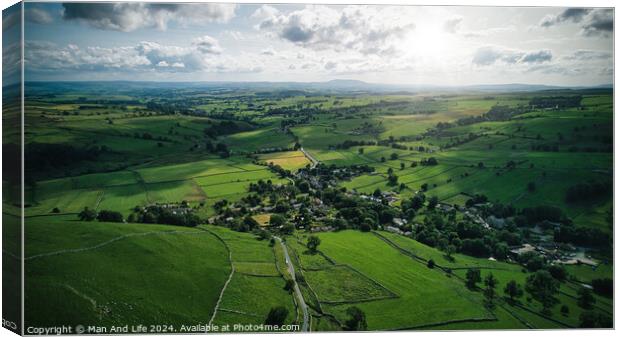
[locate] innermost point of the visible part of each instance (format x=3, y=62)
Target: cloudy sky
x=381, y=44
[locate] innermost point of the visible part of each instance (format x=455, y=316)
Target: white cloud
x=127, y=17
x=207, y=44
x=268, y=51
x=202, y=55
x=452, y=25
x=364, y=29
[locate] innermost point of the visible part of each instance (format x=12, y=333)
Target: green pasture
x=188, y=267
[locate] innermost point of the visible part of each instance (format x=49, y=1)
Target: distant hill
x=336, y=85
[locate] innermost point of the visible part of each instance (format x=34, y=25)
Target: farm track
x=105, y=243
x=300, y=297
x=313, y=160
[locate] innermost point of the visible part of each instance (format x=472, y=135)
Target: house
x=526, y=248
x=321, y=229
x=393, y=230
x=496, y=222
x=399, y=222
x=445, y=207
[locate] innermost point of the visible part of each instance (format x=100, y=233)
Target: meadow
x=231, y=158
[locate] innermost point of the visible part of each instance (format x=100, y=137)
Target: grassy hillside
x=120, y=273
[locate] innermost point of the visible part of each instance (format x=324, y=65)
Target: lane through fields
x=300, y=298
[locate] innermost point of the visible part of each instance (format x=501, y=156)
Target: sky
x=431, y=45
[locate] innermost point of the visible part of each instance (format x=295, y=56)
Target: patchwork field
x=256, y=283
x=217, y=204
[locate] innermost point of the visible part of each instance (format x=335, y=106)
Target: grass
x=256, y=285
x=426, y=294
x=176, y=275
x=342, y=284
x=291, y=160
x=183, y=260
x=262, y=219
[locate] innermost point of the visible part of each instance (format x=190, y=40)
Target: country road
x=310, y=157
x=300, y=298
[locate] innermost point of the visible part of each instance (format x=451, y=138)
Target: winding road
x=300, y=298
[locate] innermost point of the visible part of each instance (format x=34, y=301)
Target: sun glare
x=428, y=42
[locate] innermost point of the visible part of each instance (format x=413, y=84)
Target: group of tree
x=556, y=101
x=432, y=161
x=347, y=144
x=176, y=215
x=221, y=149
x=88, y=214
x=313, y=243
x=226, y=127
x=588, y=192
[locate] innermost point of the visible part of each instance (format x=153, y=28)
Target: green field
x=199, y=181
x=163, y=269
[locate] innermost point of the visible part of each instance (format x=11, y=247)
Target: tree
x=558, y=272
x=313, y=243
x=417, y=201
x=450, y=249
x=394, y=156
x=109, y=216
x=304, y=187
x=87, y=214
x=249, y=221
x=531, y=186
x=430, y=263
x=277, y=220
x=432, y=202
x=276, y=316
x=356, y=320
x=490, y=283
x=360, y=150
x=376, y=193
x=56, y=210
x=289, y=286
x=513, y=290
x=564, y=310
x=472, y=277
x=543, y=288
x=287, y=229
x=585, y=298
x=393, y=180
x=263, y=234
